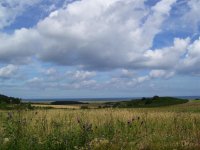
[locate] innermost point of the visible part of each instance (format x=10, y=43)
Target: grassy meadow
x=168, y=127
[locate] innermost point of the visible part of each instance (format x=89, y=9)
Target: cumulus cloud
x=127, y=73
x=50, y=71
x=8, y=71
x=95, y=36
x=167, y=57
x=113, y=36
x=19, y=47
x=81, y=75
x=70, y=80
x=10, y=9
x=154, y=74
x=191, y=18
x=191, y=62
x=160, y=74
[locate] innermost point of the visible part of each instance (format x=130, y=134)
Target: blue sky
x=99, y=48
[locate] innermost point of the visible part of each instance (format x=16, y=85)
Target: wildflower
x=87, y=127
x=78, y=120
x=133, y=119
x=129, y=122
x=142, y=123
x=66, y=142
x=6, y=140
x=10, y=115
x=24, y=121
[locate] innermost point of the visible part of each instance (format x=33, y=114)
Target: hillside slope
x=155, y=101
x=9, y=100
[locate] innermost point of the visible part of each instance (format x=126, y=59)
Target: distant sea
x=98, y=99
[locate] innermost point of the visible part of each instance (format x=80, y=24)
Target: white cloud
x=58, y=80
x=161, y=74
x=115, y=35
x=81, y=75
x=8, y=71
x=167, y=57
x=90, y=84
x=20, y=46
x=191, y=62
x=142, y=79
x=164, y=6
x=10, y=9
x=191, y=19
x=127, y=73
x=34, y=80
x=50, y=71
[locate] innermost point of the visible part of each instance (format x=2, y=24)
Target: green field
x=167, y=127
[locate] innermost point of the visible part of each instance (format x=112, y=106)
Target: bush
x=84, y=107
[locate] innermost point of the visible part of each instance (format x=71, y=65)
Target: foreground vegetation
x=171, y=127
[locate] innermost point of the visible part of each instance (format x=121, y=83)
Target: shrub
x=84, y=107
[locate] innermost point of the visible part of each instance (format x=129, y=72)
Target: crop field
x=57, y=106
x=170, y=127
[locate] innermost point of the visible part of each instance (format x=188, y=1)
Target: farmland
x=168, y=127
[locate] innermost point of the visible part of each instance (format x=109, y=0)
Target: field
x=169, y=127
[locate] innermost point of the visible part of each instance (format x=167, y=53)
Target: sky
x=99, y=48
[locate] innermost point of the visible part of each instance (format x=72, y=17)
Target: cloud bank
x=90, y=37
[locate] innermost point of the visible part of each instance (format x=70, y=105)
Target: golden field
x=171, y=127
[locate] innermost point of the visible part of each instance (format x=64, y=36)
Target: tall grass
x=100, y=129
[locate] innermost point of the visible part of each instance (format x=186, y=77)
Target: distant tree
x=148, y=101
x=155, y=97
x=84, y=107
x=9, y=100
x=143, y=99
x=16, y=100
